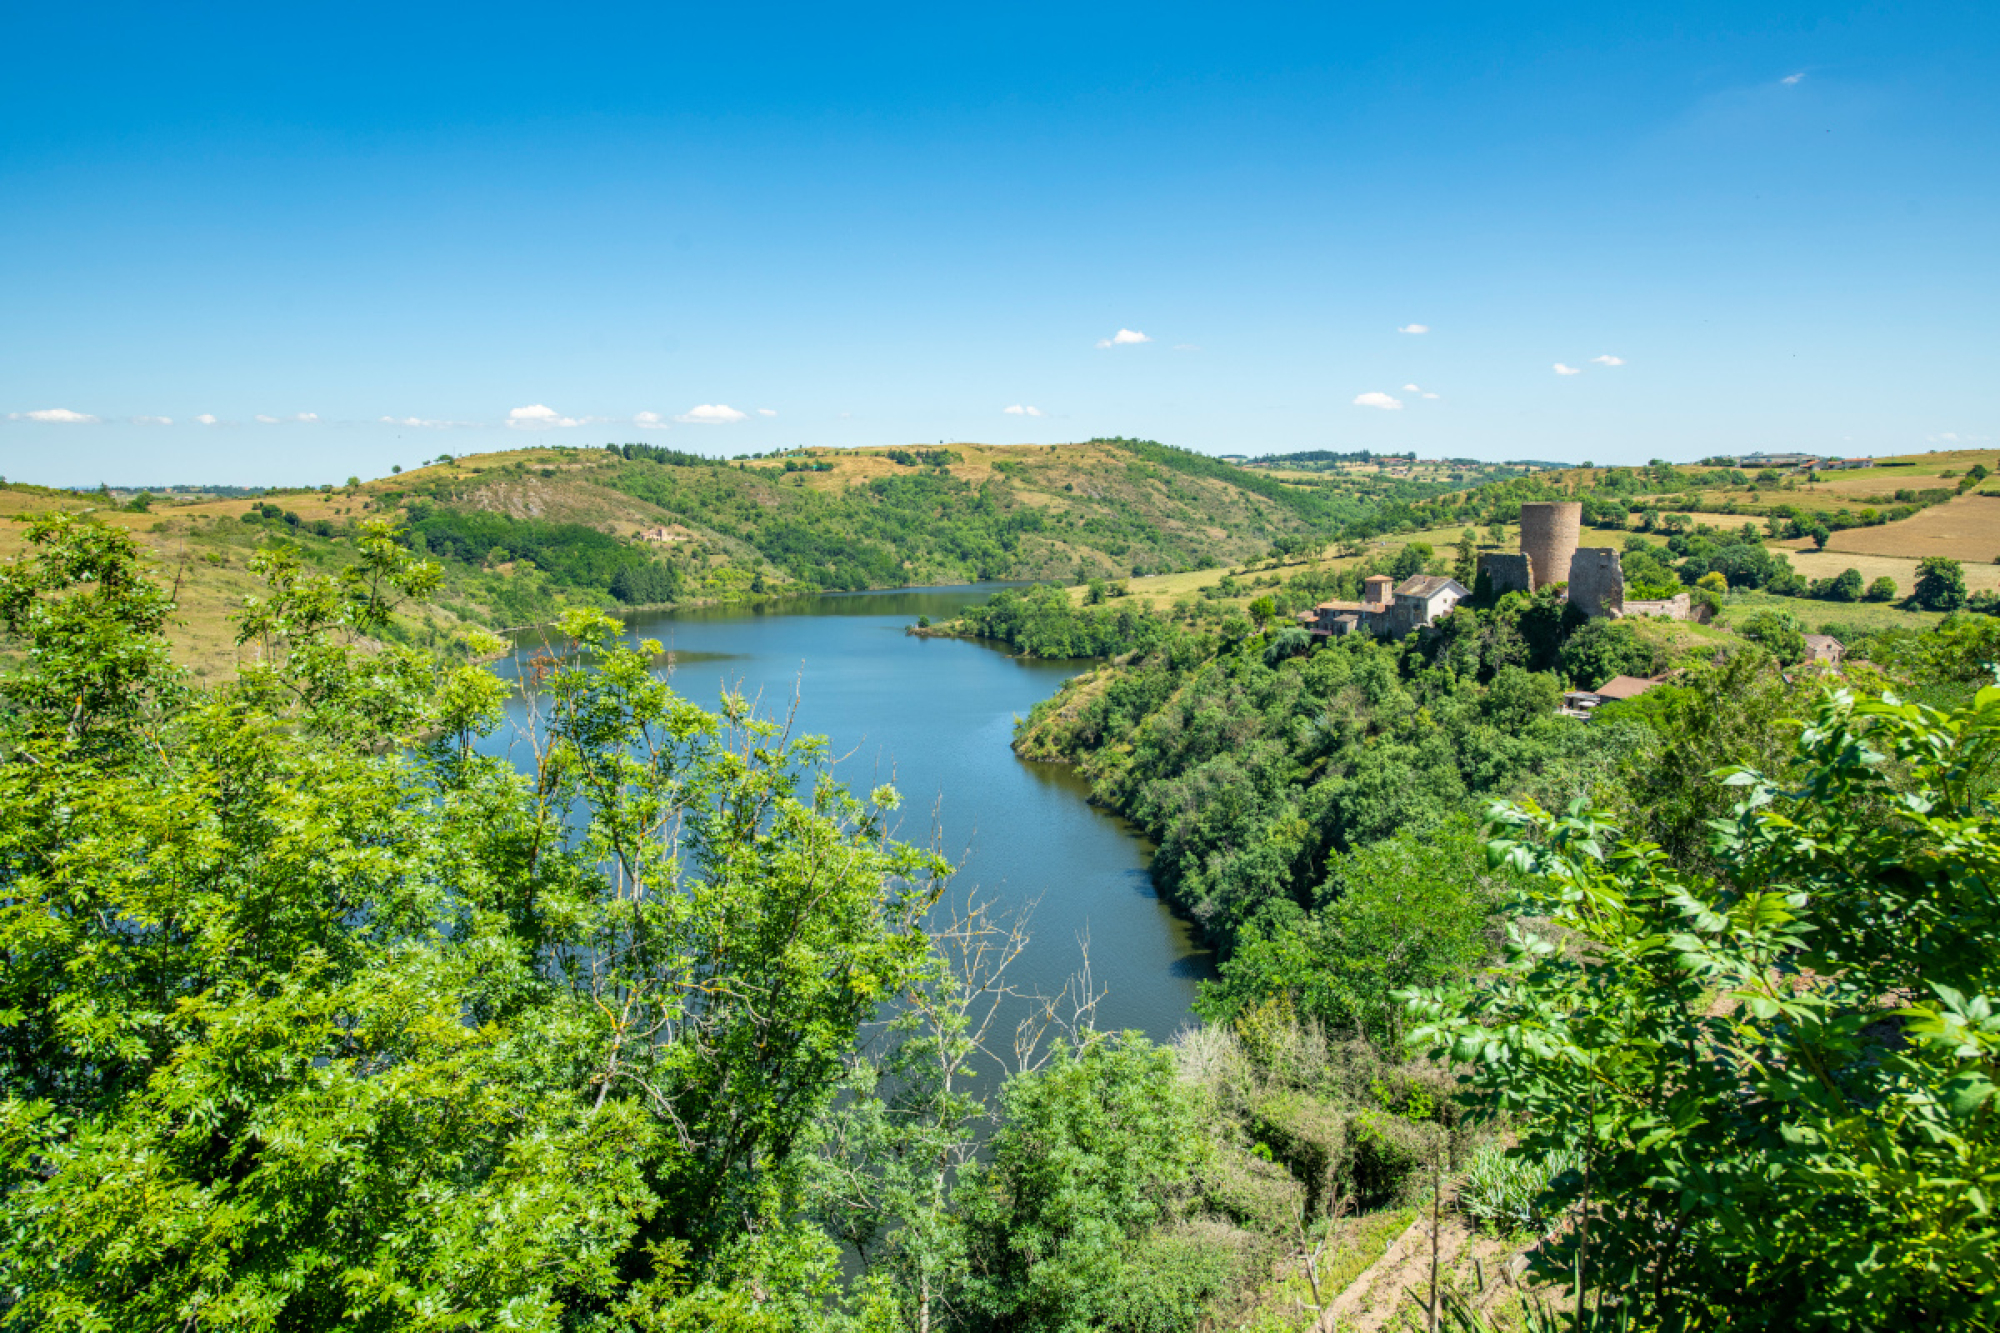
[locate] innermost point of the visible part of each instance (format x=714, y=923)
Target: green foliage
x=572, y=554
x=1044, y=622
x=1778, y=632
x=1712, y=716
x=1413, y=559
x=1781, y=1082
x=638, y=585
x=1846, y=586
x=1601, y=649
x=923, y=457
x=1940, y=584
x=1509, y=1191
x=95, y=663
x=1100, y=1148
x=1409, y=910
x=1253, y=770
x=317, y=1018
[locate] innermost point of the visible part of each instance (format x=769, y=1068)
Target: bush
x=1602, y=649
x=1099, y=1147
x=1881, y=590
x=1940, y=584
x=1779, y=633
x=1820, y=1142
x=1509, y=1191
x=1845, y=586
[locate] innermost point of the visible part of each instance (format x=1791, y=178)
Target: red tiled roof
x=1624, y=687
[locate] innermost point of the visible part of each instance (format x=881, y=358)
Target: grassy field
x=1965, y=529
x=210, y=574
x=1903, y=569
x=1825, y=617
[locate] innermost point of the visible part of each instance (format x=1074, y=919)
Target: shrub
x=1602, y=649
x=1940, y=584
x=1845, y=586
x=1779, y=633
x=1508, y=1191
x=1882, y=590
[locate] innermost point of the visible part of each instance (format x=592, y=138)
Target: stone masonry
x=1597, y=582
x=1506, y=573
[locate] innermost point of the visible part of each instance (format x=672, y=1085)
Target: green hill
x=521, y=534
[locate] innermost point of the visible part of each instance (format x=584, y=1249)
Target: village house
x=1825, y=650
x=1389, y=610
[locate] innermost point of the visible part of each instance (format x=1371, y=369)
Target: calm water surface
x=935, y=716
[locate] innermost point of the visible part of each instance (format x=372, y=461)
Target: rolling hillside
x=522, y=533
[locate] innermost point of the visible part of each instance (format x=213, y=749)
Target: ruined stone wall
x=1678, y=607
x=1505, y=573
x=1597, y=582
x=1548, y=537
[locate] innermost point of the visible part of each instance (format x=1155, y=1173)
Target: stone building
x=1597, y=582
x=1548, y=538
x=1390, y=612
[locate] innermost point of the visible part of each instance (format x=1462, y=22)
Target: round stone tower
x=1548, y=538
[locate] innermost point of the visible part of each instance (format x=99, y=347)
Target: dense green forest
x=318, y=1018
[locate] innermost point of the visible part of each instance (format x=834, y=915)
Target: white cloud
x=1562, y=369
x=420, y=422
x=711, y=414
x=539, y=416
x=651, y=421
x=1413, y=328
x=1793, y=78
x=58, y=414
x=309, y=418
x=1411, y=388
x=1124, y=338
x=1381, y=400
x=1022, y=410
x=1430, y=395
x=152, y=421
x=1608, y=360
x=206, y=418
x=268, y=421
x=767, y=412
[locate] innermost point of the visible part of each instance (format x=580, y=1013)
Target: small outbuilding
x=1585, y=703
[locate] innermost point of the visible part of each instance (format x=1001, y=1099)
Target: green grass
x=1363, y=1240
x=1869, y=616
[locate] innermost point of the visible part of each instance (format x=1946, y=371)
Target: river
x=936, y=716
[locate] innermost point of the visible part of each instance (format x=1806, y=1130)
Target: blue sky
x=730, y=229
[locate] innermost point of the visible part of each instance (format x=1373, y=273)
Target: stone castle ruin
x=1548, y=539
x=1550, y=554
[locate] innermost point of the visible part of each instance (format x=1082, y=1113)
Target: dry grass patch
x=1966, y=528
x=1903, y=569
